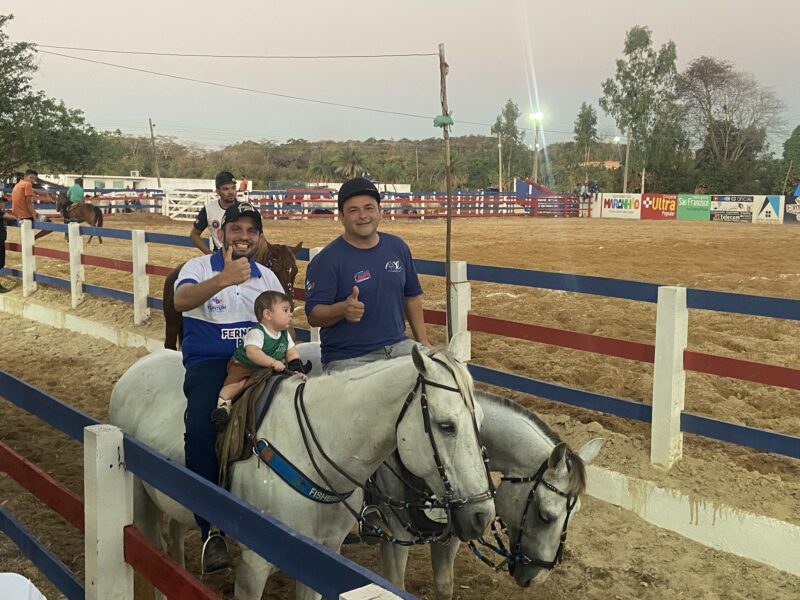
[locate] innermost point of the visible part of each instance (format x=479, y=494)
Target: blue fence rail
x=300, y=557
x=763, y=306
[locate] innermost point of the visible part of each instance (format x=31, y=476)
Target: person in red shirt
x=243, y=185
x=22, y=200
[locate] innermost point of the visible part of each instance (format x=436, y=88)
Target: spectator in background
x=210, y=216
x=243, y=184
x=75, y=193
x=22, y=201
x=3, y=218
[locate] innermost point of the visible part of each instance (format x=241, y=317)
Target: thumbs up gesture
x=235, y=271
x=353, y=309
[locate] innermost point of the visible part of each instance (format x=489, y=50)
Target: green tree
x=323, y=168
x=35, y=129
x=350, y=162
x=643, y=83
x=726, y=110
x=791, y=149
x=510, y=136
x=586, y=132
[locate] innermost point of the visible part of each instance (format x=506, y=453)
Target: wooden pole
x=786, y=179
x=443, y=70
x=155, y=154
x=627, y=159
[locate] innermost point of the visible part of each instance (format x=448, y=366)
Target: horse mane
x=576, y=485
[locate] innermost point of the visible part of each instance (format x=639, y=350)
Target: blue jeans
x=383, y=353
x=201, y=386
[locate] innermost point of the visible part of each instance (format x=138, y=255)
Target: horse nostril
x=480, y=520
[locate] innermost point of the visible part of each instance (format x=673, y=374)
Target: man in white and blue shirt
x=216, y=294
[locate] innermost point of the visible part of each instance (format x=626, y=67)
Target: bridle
x=449, y=502
x=514, y=556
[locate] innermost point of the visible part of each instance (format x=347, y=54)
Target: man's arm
x=198, y=240
x=29, y=201
x=416, y=320
x=325, y=315
x=192, y=295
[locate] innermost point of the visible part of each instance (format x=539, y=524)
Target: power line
x=247, y=56
x=276, y=94
x=245, y=89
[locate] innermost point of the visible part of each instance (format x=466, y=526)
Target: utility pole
x=444, y=68
x=155, y=154
x=627, y=157
x=499, y=163
x=416, y=159
x=536, y=156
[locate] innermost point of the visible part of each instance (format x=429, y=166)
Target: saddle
x=72, y=206
x=237, y=441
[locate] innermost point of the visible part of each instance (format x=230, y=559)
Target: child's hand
x=278, y=366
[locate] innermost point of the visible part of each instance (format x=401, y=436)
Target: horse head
x=281, y=260
x=438, y=441
x=61, y=201
x=537, y=510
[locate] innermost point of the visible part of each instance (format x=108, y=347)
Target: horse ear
x=590, y=450
x=558, y=457
x=297, y=248
x=420, y=360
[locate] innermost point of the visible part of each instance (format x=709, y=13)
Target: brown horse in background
x=80, y=212
x=278, y=258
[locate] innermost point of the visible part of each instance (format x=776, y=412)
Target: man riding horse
x=75, y=194
x=216, y=293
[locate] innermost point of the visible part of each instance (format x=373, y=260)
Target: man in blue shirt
x=363, y=286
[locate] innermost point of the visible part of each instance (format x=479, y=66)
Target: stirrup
x=219, y=565
x=372, y=515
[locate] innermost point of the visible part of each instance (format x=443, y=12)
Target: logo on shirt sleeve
x=393, y=266
x=362, y=276
x=309, y=286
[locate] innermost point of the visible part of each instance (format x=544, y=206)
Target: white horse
x=525, y=451
x=422, y=406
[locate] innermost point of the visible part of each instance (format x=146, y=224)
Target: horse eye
x=544, y=517
x=447, y=426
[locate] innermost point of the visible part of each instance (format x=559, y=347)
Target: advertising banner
x=732, y=208
x=621, y=206
x=768, y=209
x=791, y=211
x=661, y=207
x=693, y=207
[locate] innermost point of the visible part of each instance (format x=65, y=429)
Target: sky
x=493, y=49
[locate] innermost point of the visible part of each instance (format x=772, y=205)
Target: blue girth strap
x=295, y=478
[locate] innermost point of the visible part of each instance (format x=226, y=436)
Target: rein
x=449, y=502
x=514, y=555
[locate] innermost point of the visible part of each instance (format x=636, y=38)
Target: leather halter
x=449, y=502
x=538, y=478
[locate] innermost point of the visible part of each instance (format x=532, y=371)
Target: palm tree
x=323, y=168
x=350, y=163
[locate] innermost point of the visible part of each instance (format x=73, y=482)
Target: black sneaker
x=215, y=555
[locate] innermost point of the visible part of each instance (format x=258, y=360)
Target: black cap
x=224, y=177
x=239, y=210
x=356, y=187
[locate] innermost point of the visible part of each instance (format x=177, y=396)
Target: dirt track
x=611, y=552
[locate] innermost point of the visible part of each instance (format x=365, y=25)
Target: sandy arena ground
x=611, y=554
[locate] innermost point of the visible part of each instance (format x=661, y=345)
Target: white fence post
x=312, y=252
x=368, y=592
x=141, y=280
x=76, y=272
x=669, y=377
x=460, y=303
x=108, y=508
x=28, y=261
